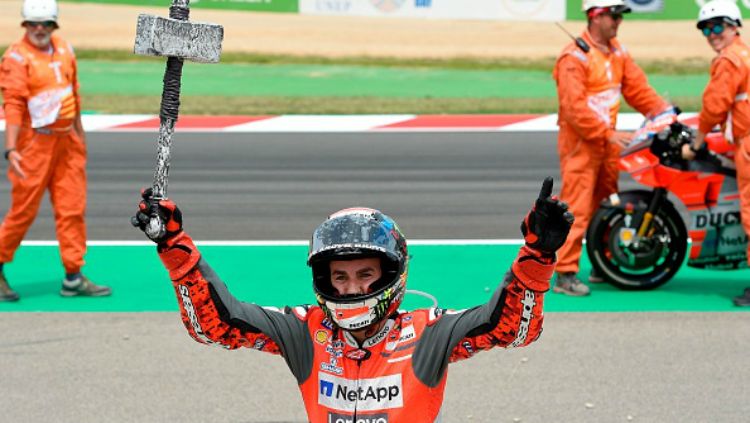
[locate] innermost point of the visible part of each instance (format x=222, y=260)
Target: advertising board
x=509, y=10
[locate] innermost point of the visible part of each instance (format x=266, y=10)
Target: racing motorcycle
x=638, y=239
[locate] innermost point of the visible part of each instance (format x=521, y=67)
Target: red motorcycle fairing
x=697, y=189
x=635, y=257
x=715, y=140
x=719, y=241
x=719, y=145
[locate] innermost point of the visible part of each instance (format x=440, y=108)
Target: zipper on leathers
x=356, y=404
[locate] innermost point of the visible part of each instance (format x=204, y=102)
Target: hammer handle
x=170, y=106
x=168, y=113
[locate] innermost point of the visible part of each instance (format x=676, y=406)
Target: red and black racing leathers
x=398, y=375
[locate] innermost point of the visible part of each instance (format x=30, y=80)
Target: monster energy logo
x=386, y=299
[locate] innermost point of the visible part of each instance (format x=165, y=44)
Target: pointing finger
x=546, y=191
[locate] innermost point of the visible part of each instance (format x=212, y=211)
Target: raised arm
x=210, y=313
x=513, y=317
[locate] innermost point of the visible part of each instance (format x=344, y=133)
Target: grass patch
x=290, y=102
x=274, y=59
x=220, y=105
x=676, y=67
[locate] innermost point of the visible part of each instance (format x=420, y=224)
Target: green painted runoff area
x=237, y=80
x=459, y=276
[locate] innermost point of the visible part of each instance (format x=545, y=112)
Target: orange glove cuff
x=179, y=255
x=533, y=269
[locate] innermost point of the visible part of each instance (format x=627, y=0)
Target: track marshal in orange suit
x=591, y=80
x=725, y=99
x=45, y=145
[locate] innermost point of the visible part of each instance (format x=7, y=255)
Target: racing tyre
x=646, y=264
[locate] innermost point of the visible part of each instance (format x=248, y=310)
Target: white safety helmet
x=39, y=11
x=719, y=10
x=615, y=6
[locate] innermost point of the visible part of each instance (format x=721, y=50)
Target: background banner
x=256, y=5
x=507, y=10
x=645, y=6
x=510, y=10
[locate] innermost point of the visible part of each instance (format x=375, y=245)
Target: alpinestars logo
x=187, y=304
x=523, y=329
x=380, y=393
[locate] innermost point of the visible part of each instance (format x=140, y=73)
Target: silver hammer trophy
x=177, y=39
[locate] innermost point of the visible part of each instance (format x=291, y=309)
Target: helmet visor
x=45, y=23
x=716, y=21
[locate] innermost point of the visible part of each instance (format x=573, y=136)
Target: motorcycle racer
x=355, y=355
x=725, y=99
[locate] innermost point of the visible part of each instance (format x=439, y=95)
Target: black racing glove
x=170, y=215
x=546, y=227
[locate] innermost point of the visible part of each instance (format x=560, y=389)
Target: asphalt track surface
x=127, y=367
x=281, y=186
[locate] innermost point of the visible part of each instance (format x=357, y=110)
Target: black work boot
x=569, y=284
x=743, y=300
x=6, y=293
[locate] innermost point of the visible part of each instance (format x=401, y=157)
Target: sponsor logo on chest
x=380, y=393
x=335, y=351
x=369, y=418
x=407, y=334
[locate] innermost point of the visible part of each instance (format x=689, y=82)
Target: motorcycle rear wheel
x=648, y=264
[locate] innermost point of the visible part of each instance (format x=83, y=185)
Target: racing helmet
x=725, y=11
x=39, y=11
x=614, y=6
x=351, y=234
